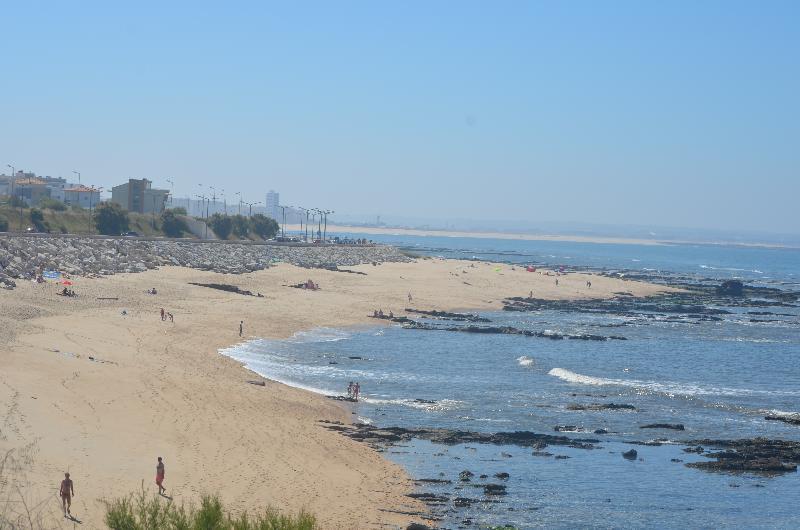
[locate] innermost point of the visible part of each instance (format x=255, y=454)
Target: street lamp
x=239, y=193
x=250, y=204
x=203, y=198
x=79, y=177
x=325, y=233
x=171, y=191
x=301, y=221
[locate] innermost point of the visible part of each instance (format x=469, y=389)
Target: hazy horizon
x=627, y=114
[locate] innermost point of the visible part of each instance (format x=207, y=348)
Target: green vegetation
x=3, y=224
x=52, y=204
x=263, y=226
x=222, y=225
x=110, y=219
x=241, y=226
x=141, y=512
x=179, y=210
x=37, y=218
x=172, y=225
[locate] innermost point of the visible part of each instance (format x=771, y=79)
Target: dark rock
x=463, y=502
x=562, y=457
x=502, y=476
x=698, y=450
x=731, y=288
x=494, y=489
x=600, y=431
x=418, y=526
x=444, y=315
x=465, y=475
x=601, y=406
x=630, y=455
x=675, y=460
x=541, y=453
x=759, y=455
x=791, y=420
x=483, y=476
x=673, y=426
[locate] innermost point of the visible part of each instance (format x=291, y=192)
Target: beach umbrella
x=51, y=275
x=66, y=282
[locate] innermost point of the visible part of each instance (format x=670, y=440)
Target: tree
x=37, y=218
x=110, y=219
x=241, y=226
x=263, y=226
x=3, y=224
x=16, y=202
x=221, y=225
x=52, y=204
x=172, y=225
x=178, y=210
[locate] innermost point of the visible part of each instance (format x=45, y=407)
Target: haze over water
x=718, y=378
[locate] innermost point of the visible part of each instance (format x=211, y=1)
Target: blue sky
x=662, y=113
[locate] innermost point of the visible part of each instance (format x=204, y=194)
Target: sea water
x=717, y=378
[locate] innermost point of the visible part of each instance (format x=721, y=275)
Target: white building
x=272, y=205
x=81, y=196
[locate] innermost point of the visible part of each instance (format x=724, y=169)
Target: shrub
x=37, y=218
x=178, y=210
x=140, y=512
x=3, y=224
x=263, y=226
x=110, y=219
x=222, y=225
x=52, y=204
x=172, y=225
x=241, y=226
x=16, y=202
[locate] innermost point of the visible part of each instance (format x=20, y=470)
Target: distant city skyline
x=668, y=114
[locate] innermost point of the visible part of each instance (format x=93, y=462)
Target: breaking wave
x=667, y=388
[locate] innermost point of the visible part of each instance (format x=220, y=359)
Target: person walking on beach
x=241, y=327
x=67, y=491
x=556, y=282
x=409, y=297
x=162, y=313
x=356, y=391
x=350, y=390
x=160, y=477
x=588, y=284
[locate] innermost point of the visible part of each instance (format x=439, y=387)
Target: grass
x=143, y=512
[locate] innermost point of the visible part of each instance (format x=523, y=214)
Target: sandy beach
x=101, y=394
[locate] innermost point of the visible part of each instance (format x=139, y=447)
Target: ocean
x=717, y=375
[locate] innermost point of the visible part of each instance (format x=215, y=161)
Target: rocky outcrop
x=731, y=288
x=378, y=436
x=25, y=257
x=601, y=406
x=672, y=426
x=758, y=455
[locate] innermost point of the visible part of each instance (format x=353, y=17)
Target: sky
x=681, y=113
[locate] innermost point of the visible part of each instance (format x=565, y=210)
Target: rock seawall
x=25, y=257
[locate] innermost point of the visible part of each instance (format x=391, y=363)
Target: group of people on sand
x=167, y=315
x=152, y=291
x=67, y=292
x=353, y=390
x=67, y=489
x=378, y=313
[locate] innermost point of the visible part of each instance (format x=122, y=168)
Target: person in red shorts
x=160, y=477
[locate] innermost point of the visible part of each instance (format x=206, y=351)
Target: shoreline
x=102, y=393
x=608, y=240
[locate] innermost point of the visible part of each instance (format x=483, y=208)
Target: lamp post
x=13, y=180
x=239, y=193
x=301, y=221
x=79, y=177
x=171, y=191
x=325, y=233
x=203, y=198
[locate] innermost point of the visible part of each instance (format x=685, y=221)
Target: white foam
x=319, y=335
x=668, y=388
x=525, y=361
